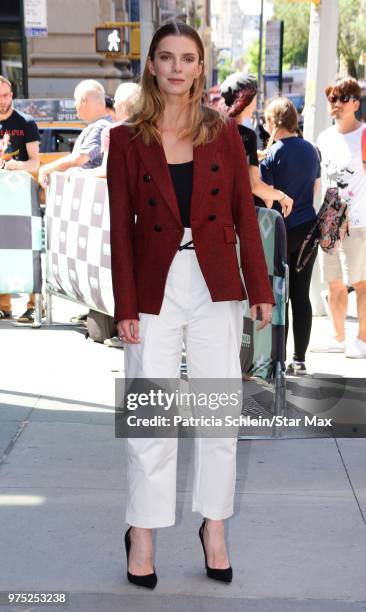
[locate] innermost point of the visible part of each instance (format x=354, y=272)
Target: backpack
x=329, y=228
x=100, y=326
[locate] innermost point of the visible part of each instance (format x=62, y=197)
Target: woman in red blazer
x=179, y=195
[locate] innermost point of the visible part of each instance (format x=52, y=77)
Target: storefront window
x=11, y=60
x=11, y=65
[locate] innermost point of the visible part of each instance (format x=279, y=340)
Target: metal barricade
x=20, y=237
x=78, y=258
x=263, y=353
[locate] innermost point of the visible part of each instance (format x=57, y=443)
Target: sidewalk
x=297, y=540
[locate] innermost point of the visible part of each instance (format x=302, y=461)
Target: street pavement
x=297, y=540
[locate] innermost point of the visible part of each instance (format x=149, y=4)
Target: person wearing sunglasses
x=343, y=167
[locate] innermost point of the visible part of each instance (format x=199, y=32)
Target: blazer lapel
x=154, y=160
x=203, y=157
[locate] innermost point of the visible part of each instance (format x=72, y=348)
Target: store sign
x=35, y=18
x=274, y=38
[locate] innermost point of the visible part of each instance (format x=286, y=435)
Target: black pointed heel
x=148, y=580
x=223, y=575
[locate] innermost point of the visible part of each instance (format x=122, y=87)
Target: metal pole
x=146, y=28
x=260, y=55
x=280, y=75
x=321, y=66
x=24, y=51
x=321, y=69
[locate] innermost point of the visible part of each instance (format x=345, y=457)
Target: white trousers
x=212, y=333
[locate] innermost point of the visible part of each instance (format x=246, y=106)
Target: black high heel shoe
x=223, y=575
x=148, y=580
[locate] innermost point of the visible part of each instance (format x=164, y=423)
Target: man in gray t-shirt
x=89, y=100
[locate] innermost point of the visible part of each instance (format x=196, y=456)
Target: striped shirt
x=89, y=142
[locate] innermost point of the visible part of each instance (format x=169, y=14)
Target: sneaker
x=296, y=368
x=332, y=346
x=79, y=318
x=356, y=349
x=114, y=342
x=28, y=316
x=6, y=314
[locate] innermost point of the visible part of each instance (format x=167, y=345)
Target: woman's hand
x=261, y=154
x=266, y=312
x=128, y=331
x=43, y=177
x=286, y=204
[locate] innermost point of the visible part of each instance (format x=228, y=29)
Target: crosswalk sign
x=108, y=40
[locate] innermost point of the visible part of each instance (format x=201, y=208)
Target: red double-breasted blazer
x=146, y=228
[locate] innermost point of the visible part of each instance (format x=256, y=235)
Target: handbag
x=328, y=230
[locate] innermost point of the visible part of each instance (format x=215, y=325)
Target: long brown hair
x=203, y=122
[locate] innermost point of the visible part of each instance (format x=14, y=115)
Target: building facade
x=51, y=66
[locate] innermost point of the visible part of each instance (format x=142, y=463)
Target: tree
x=251, y=58
x=296, y=18
x=224, y=69
x=352, y=33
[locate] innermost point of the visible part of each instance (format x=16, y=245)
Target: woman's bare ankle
x=214, y=526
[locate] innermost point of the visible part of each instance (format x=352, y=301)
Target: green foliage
x=352, y=33
x=296, y=18
x=224, y=69
x=251, y=57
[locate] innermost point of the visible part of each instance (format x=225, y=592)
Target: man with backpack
x=343, y=153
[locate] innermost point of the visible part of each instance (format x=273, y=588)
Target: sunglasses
x=342, y=98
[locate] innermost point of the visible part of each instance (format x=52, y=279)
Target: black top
x=249, y=139
x=182, y=177
x=21, y=129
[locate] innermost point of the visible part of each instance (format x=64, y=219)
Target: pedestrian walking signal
x=118, y=39
x=108, y=40
x=113, y=41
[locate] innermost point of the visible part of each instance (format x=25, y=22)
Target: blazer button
x=157, y=228
x=152, y=202
x=147, y=178
x=215, y=191
x=214, y=167
x=212, y=217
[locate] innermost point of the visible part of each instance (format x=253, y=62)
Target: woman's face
x=176, y=65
